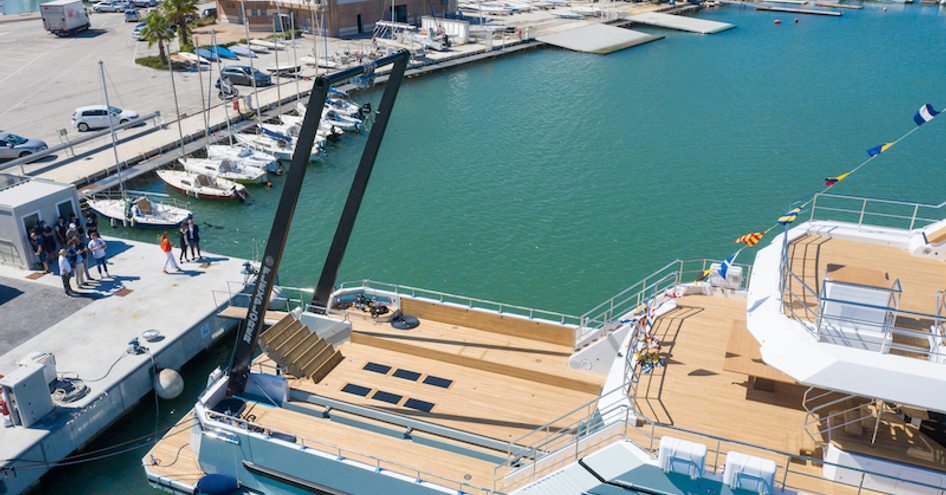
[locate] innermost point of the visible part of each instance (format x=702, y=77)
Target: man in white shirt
x=98, y=248
x=65, y=271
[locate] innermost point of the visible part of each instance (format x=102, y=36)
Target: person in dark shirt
x=193, y=238
x=60, y=232
x=49, y=243
x=36, y=239
x=91, y=223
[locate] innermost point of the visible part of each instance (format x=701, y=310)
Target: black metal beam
x=272, y=256
x=346, y=223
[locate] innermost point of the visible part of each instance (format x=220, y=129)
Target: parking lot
x=45, y=78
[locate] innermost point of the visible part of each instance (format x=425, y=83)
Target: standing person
x=40, y=252
x=98, y=249
x=182, y=230
x=193, y=239
x=60, y=232
x=91, y=223
x=72, y=235
x=65, y=271
x=49, y=243
x=169, y=253
x=76, y=260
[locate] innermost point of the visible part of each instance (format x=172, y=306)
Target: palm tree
x=158, y=31
x=178, y=13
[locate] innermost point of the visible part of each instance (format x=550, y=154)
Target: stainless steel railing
x=874, y=211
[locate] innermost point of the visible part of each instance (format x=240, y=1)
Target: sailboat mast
x=295, y=60
x=200, y=85
x=246, y=30
x=276, y=52
x=111, y=131
x=177, y=108
x=226, y=111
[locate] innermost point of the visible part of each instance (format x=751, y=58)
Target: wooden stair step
x=327, y=366
x=291, y=339
x=312, y=363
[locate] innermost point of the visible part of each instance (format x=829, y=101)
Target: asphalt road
x=45, y=78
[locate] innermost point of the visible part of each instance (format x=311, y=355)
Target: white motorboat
x=280, y=148
x=335, y=118
x=325, y=130
x=243, y=156
x=269, y=45
x=224, y=169
x=203, y=186
x=141, y=211
x=292, y=130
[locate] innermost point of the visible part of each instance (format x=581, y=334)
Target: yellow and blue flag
x=925, y=114
x=830, y=181
x=789, y=216
x=876, y=150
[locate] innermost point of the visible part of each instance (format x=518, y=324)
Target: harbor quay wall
x=75, y=427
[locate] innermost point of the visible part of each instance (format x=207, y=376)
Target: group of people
x=70, y=247
x=189, y=237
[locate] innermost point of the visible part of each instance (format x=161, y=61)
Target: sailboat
x=224, y=169
x=243, y=156
x=202, y=186
x=137, y=209
x=280, y=146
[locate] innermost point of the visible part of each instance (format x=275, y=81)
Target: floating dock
x=680, y=23
x=839, y=5
x=89, y=336
x=791, y=10
x=597, y=38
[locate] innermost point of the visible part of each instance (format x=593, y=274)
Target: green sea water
x=554, y=179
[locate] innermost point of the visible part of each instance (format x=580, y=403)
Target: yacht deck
x=172, y=457
x=815, y=257
x=696, y=391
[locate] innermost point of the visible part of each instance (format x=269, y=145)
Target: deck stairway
x=299, y=350
x=830, y=410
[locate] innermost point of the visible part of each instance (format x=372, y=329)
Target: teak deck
x=920, y=278
x=173, y=456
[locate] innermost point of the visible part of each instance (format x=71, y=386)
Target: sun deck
x=696, y=391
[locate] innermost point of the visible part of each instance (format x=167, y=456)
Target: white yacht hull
x=162, y=216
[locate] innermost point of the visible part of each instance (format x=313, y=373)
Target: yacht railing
x=620, y=423
x=284, y=298
x=468, y=302
x=380, y=464
x=872, y=211
x=905, y=333
x=607, y=316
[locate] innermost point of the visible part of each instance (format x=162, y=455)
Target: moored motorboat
x=281, y=148
x=224, y=169
x=141, y=211
x=243, y=156
x=203, y=186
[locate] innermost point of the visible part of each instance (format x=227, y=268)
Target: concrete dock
x=680, y=23
x=89, y=336
x=792, y=10
x=598, y=38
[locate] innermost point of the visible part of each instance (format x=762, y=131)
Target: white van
x=95, y=117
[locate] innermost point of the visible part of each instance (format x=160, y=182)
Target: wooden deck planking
x=173, y=455
x=408, y=455
x=512, y=355
x=920, y=278
x=485, y=403
x=896, y=441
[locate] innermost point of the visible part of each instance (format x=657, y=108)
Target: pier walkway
x=680, y=23
x=89, y=336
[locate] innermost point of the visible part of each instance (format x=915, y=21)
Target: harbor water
x=554, y=179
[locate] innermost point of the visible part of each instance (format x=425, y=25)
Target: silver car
x=13, y=146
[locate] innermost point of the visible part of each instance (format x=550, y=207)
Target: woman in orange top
x=168, y=248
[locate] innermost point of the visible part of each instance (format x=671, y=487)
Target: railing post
x=863, y=210
x=653, y=428
x=716, y=460
x=814, y=203
x=916, y=209
x=861, y=484
x=788, y=462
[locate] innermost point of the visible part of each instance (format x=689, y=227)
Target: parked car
x=132, y=15
x=136, y=32
x=13, y=146
x=111, y=6
x=144, y=3
x=211, y=12
x=95, y=117
x=243, y=75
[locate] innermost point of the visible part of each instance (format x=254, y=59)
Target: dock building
x=341, y=17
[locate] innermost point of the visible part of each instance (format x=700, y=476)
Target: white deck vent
x=682, y=457
x=748, y=472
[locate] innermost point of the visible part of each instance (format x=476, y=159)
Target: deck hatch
x=388, y=397
x=407, y=375
x=377, y=368
x=419, y=405
x=356, y=390
x=437, y=381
